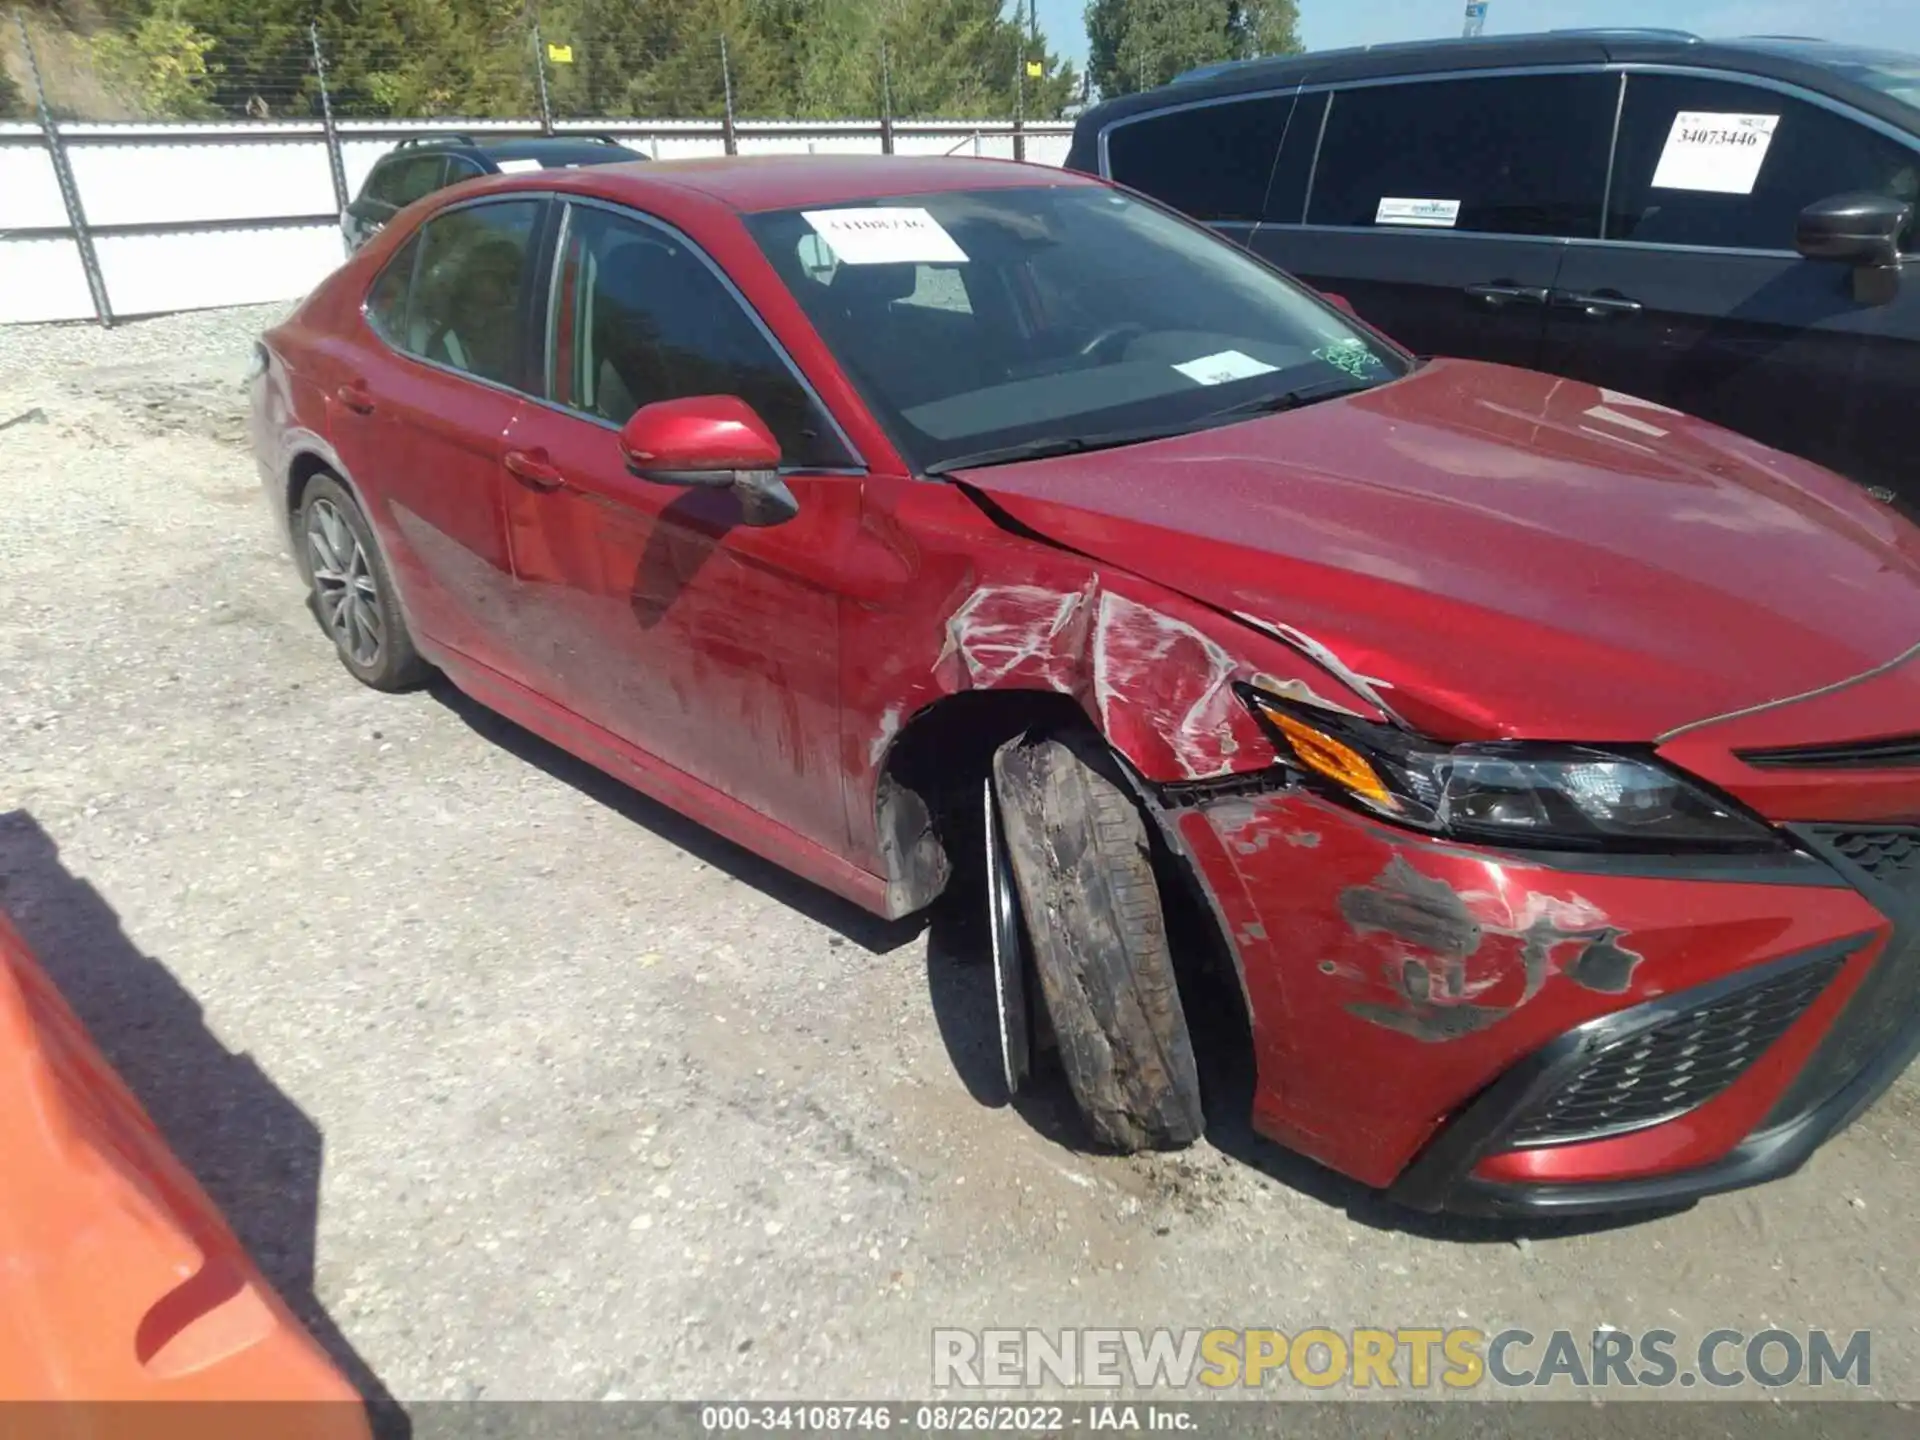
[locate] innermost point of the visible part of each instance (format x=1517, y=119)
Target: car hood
x=1502, y=553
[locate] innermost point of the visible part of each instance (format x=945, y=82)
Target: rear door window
x=1731, y=166
x=1212, y=161
x=464, y=305
x=400, y=182
x=1513, y=155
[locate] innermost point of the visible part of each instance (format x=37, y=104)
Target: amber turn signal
x=1335, y=759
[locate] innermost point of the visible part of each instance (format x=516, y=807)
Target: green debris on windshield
x=1353, y=356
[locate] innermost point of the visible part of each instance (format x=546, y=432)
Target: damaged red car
x=1545, y=763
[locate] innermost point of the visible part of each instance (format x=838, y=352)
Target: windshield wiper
x=1044, y=446
x=1289, y=399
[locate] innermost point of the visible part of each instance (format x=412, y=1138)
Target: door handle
x=532, y=469
x=1500, y=296
x=1598, y=306
x=356, y=397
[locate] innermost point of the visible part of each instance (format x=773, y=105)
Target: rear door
x=1697, y=299
x=1441, y=208
x=421, y=420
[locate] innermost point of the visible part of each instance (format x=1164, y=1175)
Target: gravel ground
x=521, y=1086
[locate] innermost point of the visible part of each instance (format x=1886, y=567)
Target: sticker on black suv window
x=1715, y=152
x=1397, y=210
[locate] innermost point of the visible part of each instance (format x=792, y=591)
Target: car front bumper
x=1491, y=1032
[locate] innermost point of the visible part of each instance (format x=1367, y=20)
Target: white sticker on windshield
x=885, y=235
x=514, y=167
x=1716, y=152
x=1440, y=214
x=1227, y=365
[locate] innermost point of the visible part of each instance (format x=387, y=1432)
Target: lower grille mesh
x=1891, y=857
x=1673, y=1067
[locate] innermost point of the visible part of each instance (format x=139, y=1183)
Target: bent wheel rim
x=343, y=585
x=1009, y=959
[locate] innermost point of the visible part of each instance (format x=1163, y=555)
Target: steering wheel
x=1107, y=338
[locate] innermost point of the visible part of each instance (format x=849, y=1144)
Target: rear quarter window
x=1213, y=161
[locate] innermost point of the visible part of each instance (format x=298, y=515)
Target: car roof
x=1812, y=64
x=783, y=182
x=547, y=149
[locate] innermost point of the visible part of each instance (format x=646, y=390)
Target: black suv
x=422, y=164
x=1718, y=226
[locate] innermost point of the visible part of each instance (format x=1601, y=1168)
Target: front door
x=652, y=610
x=1698, y=300
x=1441, y=208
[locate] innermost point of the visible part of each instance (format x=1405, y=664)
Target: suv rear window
x=1520, y=155
x=1213, y=161
x=401, y=182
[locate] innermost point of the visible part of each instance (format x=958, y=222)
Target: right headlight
x=1508, y=792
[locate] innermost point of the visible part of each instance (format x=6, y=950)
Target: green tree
x=1138, y=44
x=159, y=68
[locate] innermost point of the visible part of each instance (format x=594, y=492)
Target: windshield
x=1055, y=318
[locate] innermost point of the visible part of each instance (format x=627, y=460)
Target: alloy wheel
x=343, y=585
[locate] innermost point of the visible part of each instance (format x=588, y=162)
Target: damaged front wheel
x=1077, y=847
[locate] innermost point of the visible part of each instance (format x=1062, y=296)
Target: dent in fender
x=1159, y=686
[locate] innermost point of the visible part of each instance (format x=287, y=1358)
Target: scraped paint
x=1437, y=932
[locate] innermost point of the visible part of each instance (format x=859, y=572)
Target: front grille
x=1884, y=864
x=1893, y=753
x=1672, y=1067
x=1889, y=857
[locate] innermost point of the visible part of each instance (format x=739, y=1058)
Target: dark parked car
x=1541, y=766
x=422, y=164
x=1715, y=226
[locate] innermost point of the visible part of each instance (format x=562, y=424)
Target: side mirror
x=713, y=441
x=1340, y=302
x=1860, y=229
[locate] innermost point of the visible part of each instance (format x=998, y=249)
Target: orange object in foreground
x=120, y=1281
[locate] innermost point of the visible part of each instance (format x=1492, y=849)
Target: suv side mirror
x=713, y=441
x=1861, y=229
x=1340, y=303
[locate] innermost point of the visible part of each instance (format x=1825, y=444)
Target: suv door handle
x=356, y=397
x=533, y=469
x=1598, y=307
x=1499, y=296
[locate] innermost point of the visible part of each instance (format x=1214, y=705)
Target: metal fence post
x=540, y=73
x=886, y=103
x=336, y=162
x=727, y=134
x=63, y=174
x=1019, y=90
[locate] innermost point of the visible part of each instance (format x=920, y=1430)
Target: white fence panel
x=42, y=280
x=156, y=183
x=29, y=190
x=204, y=269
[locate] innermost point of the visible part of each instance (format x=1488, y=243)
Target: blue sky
x=1326, y=24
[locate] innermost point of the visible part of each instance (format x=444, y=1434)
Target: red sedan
x=1546, y=763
